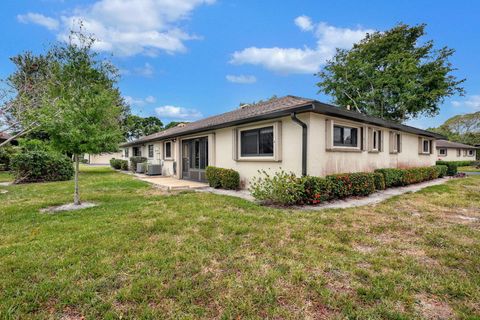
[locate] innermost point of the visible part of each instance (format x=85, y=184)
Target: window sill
x=344, y=149
x=424, y=154
x=394, y=152
x=257, y=159
x=168, y=159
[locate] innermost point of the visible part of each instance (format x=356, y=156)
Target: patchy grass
x=468, y=169
x=5, y=176
x=146, y=254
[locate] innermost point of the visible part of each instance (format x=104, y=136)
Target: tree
x=24, y=93
x=136, y=127
x=392, y=75
x=461, y=128
x=87, y=108
x=173, y=124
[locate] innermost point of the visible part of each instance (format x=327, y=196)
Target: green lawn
x=145, y=254
x=5, y=176
x=468, y=169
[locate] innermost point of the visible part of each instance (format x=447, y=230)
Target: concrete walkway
x=374, y=198
x=167, y=183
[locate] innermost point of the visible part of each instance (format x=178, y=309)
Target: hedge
x=452, y=166
x=38, y=166
x=119, y=164
x=134, y=160
x=222, y=178
x=442, y=170
x=284, y=188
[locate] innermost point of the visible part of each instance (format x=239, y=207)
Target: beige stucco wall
x=102, y=158
x=320, y=161
x=452, y=155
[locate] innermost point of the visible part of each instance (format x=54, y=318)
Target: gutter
x=293, y=115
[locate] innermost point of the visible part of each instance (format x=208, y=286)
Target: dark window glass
x=150, y=151
x=426, y=145
x=197, y=154
x=137, y=152
x=345, y=136
x=257, y=142
x=126, y=153
x=168, y=149
x=375, y=140
x=398, y=142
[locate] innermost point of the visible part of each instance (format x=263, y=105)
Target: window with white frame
x=376, y=140
x=137, y=152
x=459, y=152
x=426, y=146
x=344, y=136
x=470, y=153
x=168, y=150
x=125, y=152
x=442, y=152
x=257, y=142
x=150, y=150
x=396, y=142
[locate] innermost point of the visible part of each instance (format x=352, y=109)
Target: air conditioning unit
x=154, y=169
x=140, y=168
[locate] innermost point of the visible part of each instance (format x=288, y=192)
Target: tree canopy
x=136, y=126
x=394, y=75
x=463, y=128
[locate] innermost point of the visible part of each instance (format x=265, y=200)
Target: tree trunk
x=76, y=197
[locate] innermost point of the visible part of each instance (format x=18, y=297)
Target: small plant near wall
x=223, y=178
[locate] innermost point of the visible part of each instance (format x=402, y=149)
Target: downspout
x=293, y=115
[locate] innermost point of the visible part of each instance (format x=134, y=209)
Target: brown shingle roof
x=451, y=144
x=273, y=109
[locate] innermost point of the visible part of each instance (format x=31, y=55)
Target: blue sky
x=187, y=59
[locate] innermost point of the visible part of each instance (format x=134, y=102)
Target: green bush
x=213, y=177
x=230, y=179
x=315, y=190
x=119, y=164
x=351, y=184
x=393, y=177
x=134, y=160
x=442, y=170
x=379, y=181
x=38, y=166
x=222, y=178
x=124, y=165
x=451, y=165
x=282, y=188
x=6, y=153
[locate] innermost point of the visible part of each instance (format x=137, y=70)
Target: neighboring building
x=454, y=151
x=5, y=136
x=290, y=133
x=102, y=158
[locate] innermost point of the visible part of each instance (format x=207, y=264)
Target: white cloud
x=302, y=60
x=177, y=113
x=40, y=19
x=146, y=70
x=134, y=27
x=304, y=23
x=471, y=102
x=244, y=79
x=139, y=102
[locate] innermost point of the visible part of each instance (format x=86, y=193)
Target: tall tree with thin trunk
x=87, y=111
x=394, y=75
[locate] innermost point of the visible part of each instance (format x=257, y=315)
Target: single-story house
x=102, y=158
x=454, y=151
x=295, y=134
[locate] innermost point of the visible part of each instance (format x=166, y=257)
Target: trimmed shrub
x=282, y=188
x=351, y=184
x=115, y=163
x=213, y=177
x=230, y=179
x=222, y=178
x=379, y=181
x=442, y=170
x=38, y=166
x=134, y=160
x=393, y=177
x=315, y=190
x=124, y=165
x=452, y=166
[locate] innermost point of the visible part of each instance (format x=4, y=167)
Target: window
x=257, y=142
x=397, y=138
x=470, y=153
x=137, y=152
x=150, y=150
x=168, y=149
x=125, y=152
x=426, y=146
x=345, y=136
x=459, y=152
x=442, y=152
x=376, y=140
